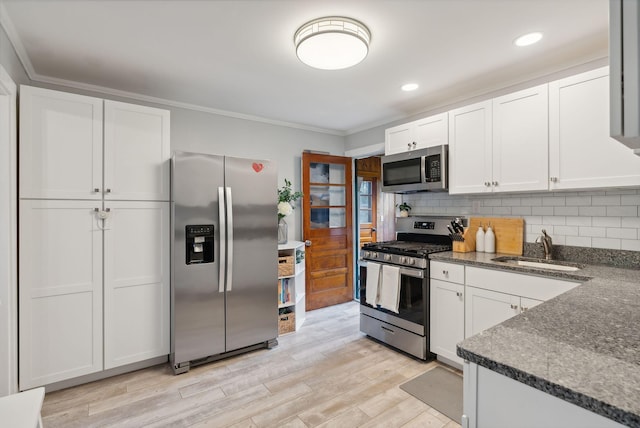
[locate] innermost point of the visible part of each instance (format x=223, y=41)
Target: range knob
x=387, y=257
x=403, y=259
x=374, y=255
x=411, y=261
x=365, y=254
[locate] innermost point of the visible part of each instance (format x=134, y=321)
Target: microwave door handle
x=423, y=171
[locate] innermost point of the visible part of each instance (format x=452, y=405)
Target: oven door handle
x=415, y=273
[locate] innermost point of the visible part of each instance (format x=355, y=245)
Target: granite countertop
x=582, y=346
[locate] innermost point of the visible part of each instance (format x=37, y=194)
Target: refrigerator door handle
x=222, y=227
x=229, y=239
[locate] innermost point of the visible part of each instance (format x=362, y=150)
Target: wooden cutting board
x=509, y=234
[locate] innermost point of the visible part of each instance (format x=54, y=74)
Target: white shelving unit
x=292, y=287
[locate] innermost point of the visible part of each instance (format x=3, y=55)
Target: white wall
x=598, y=219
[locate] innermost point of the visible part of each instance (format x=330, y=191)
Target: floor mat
x=440, y=389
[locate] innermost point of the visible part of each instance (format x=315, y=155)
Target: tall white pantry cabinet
x=93, y=235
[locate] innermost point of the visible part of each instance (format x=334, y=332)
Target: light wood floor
x=327, y=374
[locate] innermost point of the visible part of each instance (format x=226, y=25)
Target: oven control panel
x=407, y=261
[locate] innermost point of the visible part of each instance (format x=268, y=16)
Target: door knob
x=373, y=229
x=307, y=243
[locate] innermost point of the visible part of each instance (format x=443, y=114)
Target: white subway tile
x=511, y=202
x=536, y=229
x=446, y=203
x=521, y=211
x=622, y=192
x=593, y=231
x=566, y=211
x=605, y=221
x=542, y=210
x=630, y=222
x=485, y=210
x=502, y=210
x=555, y=220
x=553, y=201
x=579, y=221
x=493, y=202
x=626, y=211
x=593, y=211
x=595, y=193
x=613, y=244
x=578, y=241
x=630, y=200
x=614, y=232
x=578, y=200
x=559, y=239
x=533, y=220
x=630, y=244
x=605, y=200
x=531, y=201
x=566, y=230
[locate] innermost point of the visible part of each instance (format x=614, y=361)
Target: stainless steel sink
x=539, y=263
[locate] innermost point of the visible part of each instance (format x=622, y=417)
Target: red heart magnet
x=257, y=167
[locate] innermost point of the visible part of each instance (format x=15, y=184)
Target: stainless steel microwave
x=416, y=171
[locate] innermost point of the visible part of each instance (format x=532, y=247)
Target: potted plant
x=286, y=197
x=404, y=209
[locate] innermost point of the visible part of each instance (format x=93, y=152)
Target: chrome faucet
x=547, y=245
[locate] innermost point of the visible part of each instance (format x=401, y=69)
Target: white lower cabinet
x=136, y=287
x=60, y=300
x=486, y=308
x=69, y=260
x=447, y=318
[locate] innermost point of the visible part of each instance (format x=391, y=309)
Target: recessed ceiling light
x=528, y=39
x=332, y=42
x=409, y=87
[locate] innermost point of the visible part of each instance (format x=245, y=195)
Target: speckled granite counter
x=582, y=346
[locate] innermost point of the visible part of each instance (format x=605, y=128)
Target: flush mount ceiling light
x=528, y=39
x=409, y=87
x=332, y=42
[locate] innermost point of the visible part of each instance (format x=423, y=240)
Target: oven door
x=414, y=301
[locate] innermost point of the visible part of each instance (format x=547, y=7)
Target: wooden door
x=328, y=229
x=368, y=171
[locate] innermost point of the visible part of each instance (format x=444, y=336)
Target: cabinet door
x=447, y=318
x=136, y=289
x=60, y=145
x=582, y=154
x=60, y=302
x=398, y=139
x=470, y=149
x=485, y=308
x=431, y=131
x=136, y=152
x=521, y=140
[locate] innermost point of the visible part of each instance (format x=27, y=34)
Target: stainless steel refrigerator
x=224, y=252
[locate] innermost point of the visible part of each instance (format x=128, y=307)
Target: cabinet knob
x=553, y=179
x=408, y=146
x=96, y=190
x=445, y=272
x=414, y=144
x=495, y=183
x=107, y=190
x=514, y=306
x=487, y=184
x=459, y=294
x=524, y=308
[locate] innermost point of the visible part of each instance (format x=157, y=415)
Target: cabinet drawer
x=451, y=272
x=534, y=287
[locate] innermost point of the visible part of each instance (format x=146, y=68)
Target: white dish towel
x=373, y=283
x=389, y=296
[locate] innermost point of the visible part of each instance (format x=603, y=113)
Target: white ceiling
x=238, y=56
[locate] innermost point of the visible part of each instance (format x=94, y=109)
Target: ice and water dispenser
x=199, y=243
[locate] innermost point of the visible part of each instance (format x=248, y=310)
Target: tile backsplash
x=597, y=219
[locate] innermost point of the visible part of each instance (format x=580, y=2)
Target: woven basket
x=286, y=323
x=285, y=265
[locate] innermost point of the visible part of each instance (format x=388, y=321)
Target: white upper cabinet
x=428, y=132
x=520, y=140
x=500, y=145
x=582, y=154
x=125, y=145
x=57, y=130
x=136, y=152
x=470, y=148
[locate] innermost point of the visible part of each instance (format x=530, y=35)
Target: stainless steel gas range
x=408, y=328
